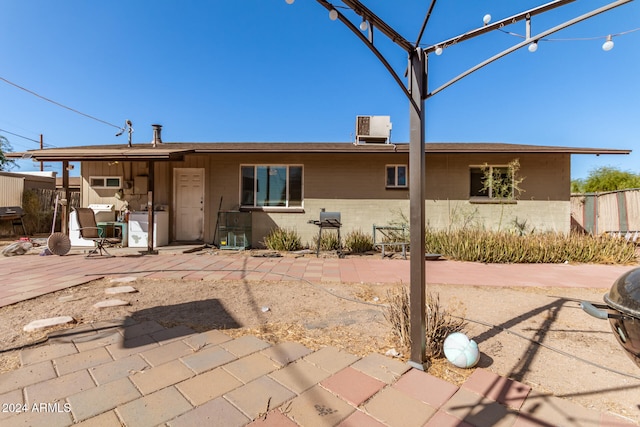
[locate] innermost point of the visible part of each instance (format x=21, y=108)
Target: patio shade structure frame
x=417, y=92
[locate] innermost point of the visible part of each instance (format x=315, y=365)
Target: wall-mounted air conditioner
x=373, y=129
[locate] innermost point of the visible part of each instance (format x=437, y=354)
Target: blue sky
x=266, y=71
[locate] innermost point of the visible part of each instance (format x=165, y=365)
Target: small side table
x=116, y=230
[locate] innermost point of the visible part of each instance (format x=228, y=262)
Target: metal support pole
x=64, y=228
x=150, y=212
x=41, y=148
x=417, y=183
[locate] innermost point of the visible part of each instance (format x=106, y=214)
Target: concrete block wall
x=541, y=216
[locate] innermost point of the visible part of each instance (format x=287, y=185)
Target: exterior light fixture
x=438, y=51
x=333, y=14
x=533, y=47
x=486, y=19
x=608, y=45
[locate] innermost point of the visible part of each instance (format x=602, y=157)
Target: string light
x=606, y=46
x=486, y=19
x=533, y=47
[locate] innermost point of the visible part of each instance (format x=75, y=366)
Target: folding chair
x=89, y=230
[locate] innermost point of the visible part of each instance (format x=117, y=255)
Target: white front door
x=189, y=203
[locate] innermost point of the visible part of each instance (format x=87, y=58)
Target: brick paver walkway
x=146, y=375
x=27, y=276
x=139, y=374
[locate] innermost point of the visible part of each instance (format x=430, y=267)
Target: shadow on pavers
x=167, y=322
x=155, y=324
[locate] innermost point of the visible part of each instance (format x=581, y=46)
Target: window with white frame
x=105, y=181
x=396, y=176
x=271, y=186
x=491, y=181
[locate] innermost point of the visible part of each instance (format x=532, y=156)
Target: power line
x=27, y=138
x=19, y=136
x=58, y=104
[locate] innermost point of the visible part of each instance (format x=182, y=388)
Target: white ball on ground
x=461, y=351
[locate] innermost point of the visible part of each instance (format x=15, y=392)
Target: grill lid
x=330, y=216
x=624, y=295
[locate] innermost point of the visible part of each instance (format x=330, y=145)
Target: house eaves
x=482, y=147
x=434, y=147
x=103, y=153
x=177, y=150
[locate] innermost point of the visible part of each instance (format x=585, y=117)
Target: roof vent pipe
x=157, y=138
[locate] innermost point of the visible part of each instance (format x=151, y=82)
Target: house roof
x=177, y=150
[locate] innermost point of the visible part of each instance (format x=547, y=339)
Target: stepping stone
x=120, y=290
x=45, y=323
x=110, y=303
x=123, y=279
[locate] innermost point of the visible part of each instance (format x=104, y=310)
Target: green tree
x=577, y=185
x=5, y=164
x=606, y=178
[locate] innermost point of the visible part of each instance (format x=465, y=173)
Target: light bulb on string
x=486, y=19
x=289, y=1
x=333, y=14
x=438, y=51
x=533, y=47
x=608, y=45
x=364, y=25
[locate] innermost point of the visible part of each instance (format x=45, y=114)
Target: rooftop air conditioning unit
x=373, y=130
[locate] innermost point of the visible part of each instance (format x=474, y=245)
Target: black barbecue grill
x=623, y=311
x=331, y=221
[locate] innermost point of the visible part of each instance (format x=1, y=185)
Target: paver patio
x=144, y=374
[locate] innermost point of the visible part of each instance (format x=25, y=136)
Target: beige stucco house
x=288, y=184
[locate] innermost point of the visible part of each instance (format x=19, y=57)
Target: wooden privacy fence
x=38, y=204
x=609, y=212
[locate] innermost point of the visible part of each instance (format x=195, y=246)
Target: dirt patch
x=537, y=336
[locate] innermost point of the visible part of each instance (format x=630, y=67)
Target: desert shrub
x=503, y=247
x=358, y=242
x=439, y=321
x=329, y=241
x=439, y=325
x=282, y=239
x=398, y=315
